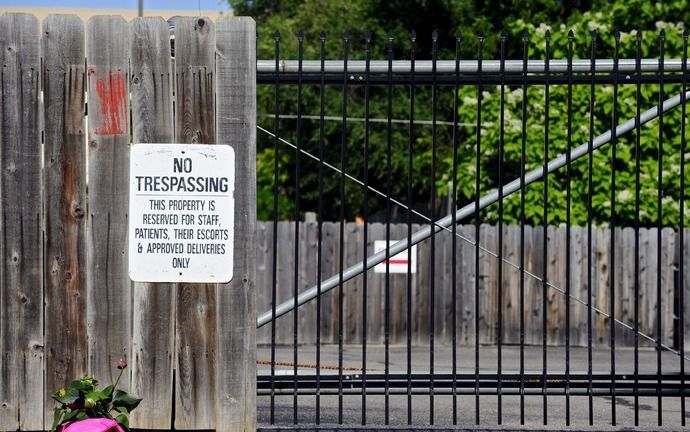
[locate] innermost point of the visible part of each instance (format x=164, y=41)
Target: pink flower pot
x=92, y=425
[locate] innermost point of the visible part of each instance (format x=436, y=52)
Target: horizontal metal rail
x=577, y=383
x=467, y=66
x=465, y=212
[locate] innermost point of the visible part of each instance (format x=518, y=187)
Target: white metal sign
x=181, y=213
x=397, y=263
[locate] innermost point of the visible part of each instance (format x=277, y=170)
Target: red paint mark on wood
x=112, y=98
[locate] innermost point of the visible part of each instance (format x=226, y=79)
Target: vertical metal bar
x=568, y=174
x=453, y=281
x=319, y=252
x=389, y=151
x=590, y=192
x=365, y=245
x=636, y=282
x=341, y=257
x=545, y=257
x=681, y=265
x=274, y=281
x=298, y=148
x=477, y=224
x=612, y=264
x=410, y=154
x=659, y=225
x=499, y=278
x=432, y=255
x=523, y=162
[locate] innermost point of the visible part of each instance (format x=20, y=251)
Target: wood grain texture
x=488, y=312
x=65, y=202
x=235, y=407
x=153, y=327
x=195, y=328
x=21, y=290
x=108, y=284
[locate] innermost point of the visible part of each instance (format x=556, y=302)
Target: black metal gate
x=510, y=319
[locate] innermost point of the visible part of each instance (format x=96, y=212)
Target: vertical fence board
x=375, y=283
x=21, y=291
x=467, y=276
x=108, y=284
x=152, y=305
x=329, y=267
x=307, y=280
x=354, y=235
x=487, y=285
x=285, y=280
x=264, y=235
x=65, y=202
x=399, y=290
x=627, y=282
x=236, y=122
x=487, y=311
x=668, y=241
x=533, y=263
x=195, y=44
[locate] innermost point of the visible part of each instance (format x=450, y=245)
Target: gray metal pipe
x=488, y=199
x=467, y=66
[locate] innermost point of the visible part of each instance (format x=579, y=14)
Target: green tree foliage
x=465, y=18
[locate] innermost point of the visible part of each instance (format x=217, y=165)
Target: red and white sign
x=397, y=263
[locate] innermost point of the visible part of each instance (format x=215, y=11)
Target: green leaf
x=91, y=399
x=58, y=413
x=82, y=415
x=123, y=420
x=66, y=395
x=69, y=415
x=122, y=409
x=107, y=392
x=84, y=385
x=124, y=399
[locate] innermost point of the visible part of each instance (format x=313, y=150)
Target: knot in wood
x=77, y=211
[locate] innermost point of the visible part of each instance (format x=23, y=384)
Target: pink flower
x=92, y=425
x=122, y=363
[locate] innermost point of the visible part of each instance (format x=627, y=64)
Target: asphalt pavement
x=393, y=411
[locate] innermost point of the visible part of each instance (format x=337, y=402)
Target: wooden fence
x=488, y=288
x=67, y=305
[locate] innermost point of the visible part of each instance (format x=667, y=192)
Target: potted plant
x=83, y=407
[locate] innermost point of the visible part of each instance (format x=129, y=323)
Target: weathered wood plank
x=467, y=277
x=329, y=301
x=285, y=280
x=236, y=120
x=668, y=242
x=399, y=295
x=21, y=290
x=65, y=202
x=308, y=250
x=375, y=283
x=601, y=292
x=108, y=284
x=354, y=235
x=195, y=44
x=264, y=234
x=487, y=285
x=153, y=304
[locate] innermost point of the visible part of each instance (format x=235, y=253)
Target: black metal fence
x=536, y=141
